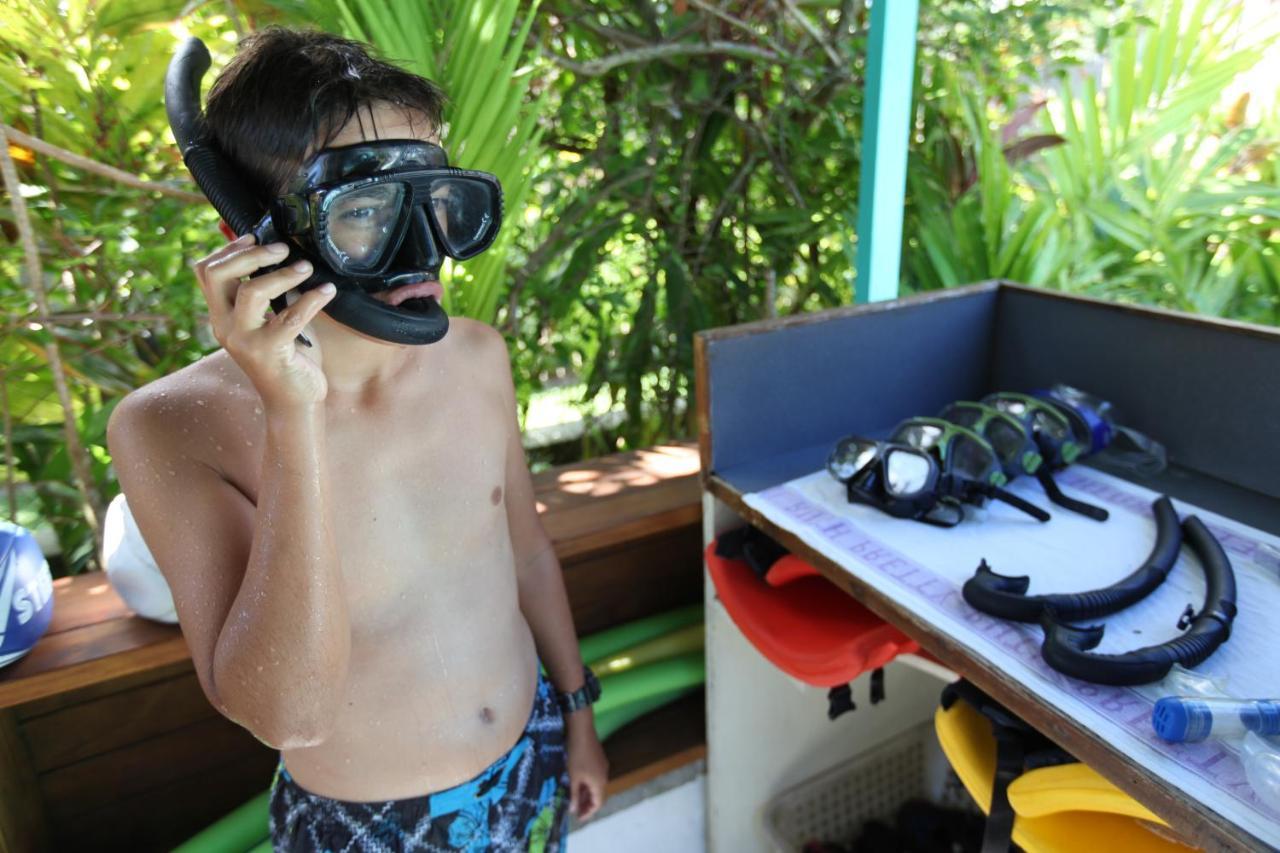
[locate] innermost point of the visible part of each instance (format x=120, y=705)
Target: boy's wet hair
x=287, y=93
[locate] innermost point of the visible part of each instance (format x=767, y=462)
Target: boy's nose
x=419, y=250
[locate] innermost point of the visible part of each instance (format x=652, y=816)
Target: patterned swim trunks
x=518, y=803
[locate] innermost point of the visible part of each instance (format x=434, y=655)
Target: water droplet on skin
x=199, y=402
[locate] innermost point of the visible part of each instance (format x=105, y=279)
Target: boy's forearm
x=545, y=605
x=284, y=650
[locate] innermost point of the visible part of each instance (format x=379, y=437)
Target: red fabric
x=806, y=626
x=226, y=230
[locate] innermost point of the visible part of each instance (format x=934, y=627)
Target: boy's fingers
x=254, y=296
x=596, y=790
x=220, y=275
x=574, y=797
x=302, y=312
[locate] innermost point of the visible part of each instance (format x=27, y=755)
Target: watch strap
x=585, y=695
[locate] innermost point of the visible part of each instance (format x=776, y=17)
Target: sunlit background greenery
x=669, y=166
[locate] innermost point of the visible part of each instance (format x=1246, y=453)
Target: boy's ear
x=226, y=230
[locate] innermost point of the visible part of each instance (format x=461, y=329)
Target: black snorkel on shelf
x=1066, y=648
x=1045, y=477
x=225, y=187
x=1005, y=596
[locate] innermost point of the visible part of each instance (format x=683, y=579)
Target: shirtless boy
x=348, y=528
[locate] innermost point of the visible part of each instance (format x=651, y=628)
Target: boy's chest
x=420, y=491
x=417, y=501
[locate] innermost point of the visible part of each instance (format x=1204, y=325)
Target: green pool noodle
x=610, y=722
x=238, y=831
x=264, y=847
x=679, y=642
x=611, y=640
x=652, y=679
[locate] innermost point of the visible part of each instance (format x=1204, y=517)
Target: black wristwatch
x=582, y=697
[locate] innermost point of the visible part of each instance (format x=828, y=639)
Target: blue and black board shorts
x=518, y=803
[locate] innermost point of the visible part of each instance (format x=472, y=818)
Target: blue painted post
x=885, y=126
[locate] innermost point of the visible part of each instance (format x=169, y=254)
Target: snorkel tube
x=1066, y=648
x=1005, y=596
x=221, y=182
x=214, y=173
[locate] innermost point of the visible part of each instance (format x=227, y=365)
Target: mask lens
x=360, y=224
x=971, y=460
x=908, y=473
x=1050, y=426
x=923, y=436
x=465, y=214
x=962, y=415
x=849, y=457
x=1007, y=440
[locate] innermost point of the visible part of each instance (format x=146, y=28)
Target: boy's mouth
x=412, y=296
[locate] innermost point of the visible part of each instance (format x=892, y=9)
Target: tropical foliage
x=668, y=166
x=1141, y=190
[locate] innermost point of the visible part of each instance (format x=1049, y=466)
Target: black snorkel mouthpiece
x=1067, y=648
x=225, y=187
x=1004, y=596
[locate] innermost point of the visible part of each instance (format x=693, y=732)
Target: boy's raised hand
x=264, y=346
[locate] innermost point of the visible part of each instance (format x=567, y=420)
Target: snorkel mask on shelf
x=1096, y=427
x=926, y=472
x=369, y=217
x=1018, y=441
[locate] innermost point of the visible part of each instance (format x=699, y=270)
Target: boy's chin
x=332, y=329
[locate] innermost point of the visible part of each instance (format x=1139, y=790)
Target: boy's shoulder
x=202, y=395
x=478, y=342
x=475, y=336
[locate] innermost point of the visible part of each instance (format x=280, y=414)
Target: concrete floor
x=667, y=814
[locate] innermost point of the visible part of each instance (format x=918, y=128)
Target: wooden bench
x=106, y=740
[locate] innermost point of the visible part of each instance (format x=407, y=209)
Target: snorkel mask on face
x=375, y=216
x=369, y=217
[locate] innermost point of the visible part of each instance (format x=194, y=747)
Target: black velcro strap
x=758, y=548
x=998, y=835
x=839, y=700
x=877, y=685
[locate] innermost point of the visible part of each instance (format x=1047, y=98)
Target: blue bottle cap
x=1180, y=720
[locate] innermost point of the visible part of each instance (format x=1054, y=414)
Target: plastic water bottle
x=1261, y=757
x=1189, y=719
x=1252, y=723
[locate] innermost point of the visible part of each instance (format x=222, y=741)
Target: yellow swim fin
x=1058, y=825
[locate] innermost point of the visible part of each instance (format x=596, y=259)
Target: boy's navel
x=495, y=497
x=486, y=714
